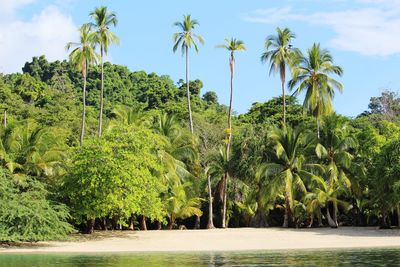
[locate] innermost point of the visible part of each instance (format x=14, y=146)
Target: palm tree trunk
x=335, y=210
x=320, y=224
x=101, y=93
x=331, y=222
x=5, y=119
x=284, y=101
x=287, y=219
x=228, y=146
x=210, y=224
x=224, y=201
x=311, y=220
x=83, y=109
x=188, y=90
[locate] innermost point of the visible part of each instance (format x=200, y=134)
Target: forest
x=89, y=145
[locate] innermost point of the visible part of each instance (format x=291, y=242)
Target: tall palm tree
x=232, y=45
x=186, y=39
x=82, y=56
x=281, y=55
x=103, y=19
x=287, y=164
x=312, y=75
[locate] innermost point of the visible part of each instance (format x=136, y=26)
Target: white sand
x=225, y=240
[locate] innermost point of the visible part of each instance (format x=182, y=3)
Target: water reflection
x=361, y=257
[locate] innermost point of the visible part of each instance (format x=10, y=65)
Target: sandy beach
x=222, y=240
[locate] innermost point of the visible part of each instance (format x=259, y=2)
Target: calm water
x=361, y=257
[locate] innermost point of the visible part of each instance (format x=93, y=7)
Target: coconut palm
x=221, y=167
x=103, y=19
x=129, y=116
x=186, y=39
x=28, y=149
x=263, y=193
x=326, y=189
x=82, y=56
x=280, y=54
x=287, y=158
x=232, y=45
x=334, y=150
x=312, y=75
x=180, y=204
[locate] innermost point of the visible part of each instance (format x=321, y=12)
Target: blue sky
x=362, y=35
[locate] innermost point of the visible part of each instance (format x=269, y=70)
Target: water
x=355, y=257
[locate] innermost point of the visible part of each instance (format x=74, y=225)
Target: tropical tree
x=103, y=19
x=180, y=204
x=312, y=75
x=386, y=182
x=186, y=39
x=334, y=150
x=129, y=116
x=109, y=177
x=281, y=55
x=26, y=213
x=232, y=45
x=82, y=57
x=179, y=148
x=220, y=167
x=29, y=149
x=287, y=164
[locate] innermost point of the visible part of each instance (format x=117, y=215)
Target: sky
x=363, y=37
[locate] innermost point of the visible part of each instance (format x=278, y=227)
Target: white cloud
x=46, y=33
x=372, y=30
x=8, y=7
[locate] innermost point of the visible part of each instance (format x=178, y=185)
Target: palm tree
x=334, y=150
x=186, y=39
x=129, y=116
x=232, y=45
x=180, y=204
x=220, y=166
x=287, y=164
x=29, y=149
x=103, y=19
x=281, y=55
x=326, y=188
x=312, y=75
x=81, y=57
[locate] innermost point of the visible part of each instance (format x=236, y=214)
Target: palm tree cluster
x=267, y=169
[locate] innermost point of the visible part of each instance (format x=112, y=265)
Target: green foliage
x=26, y=148
x=210, y=97
x=118, y=175
x=271, y=113
x=386, y=183
x=313, y=76
x=27, y=215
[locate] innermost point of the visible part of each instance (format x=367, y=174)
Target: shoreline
x=220, y=240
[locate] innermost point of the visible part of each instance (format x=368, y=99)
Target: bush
x=26, y=214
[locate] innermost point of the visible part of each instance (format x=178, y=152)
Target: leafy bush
x=26, y=214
